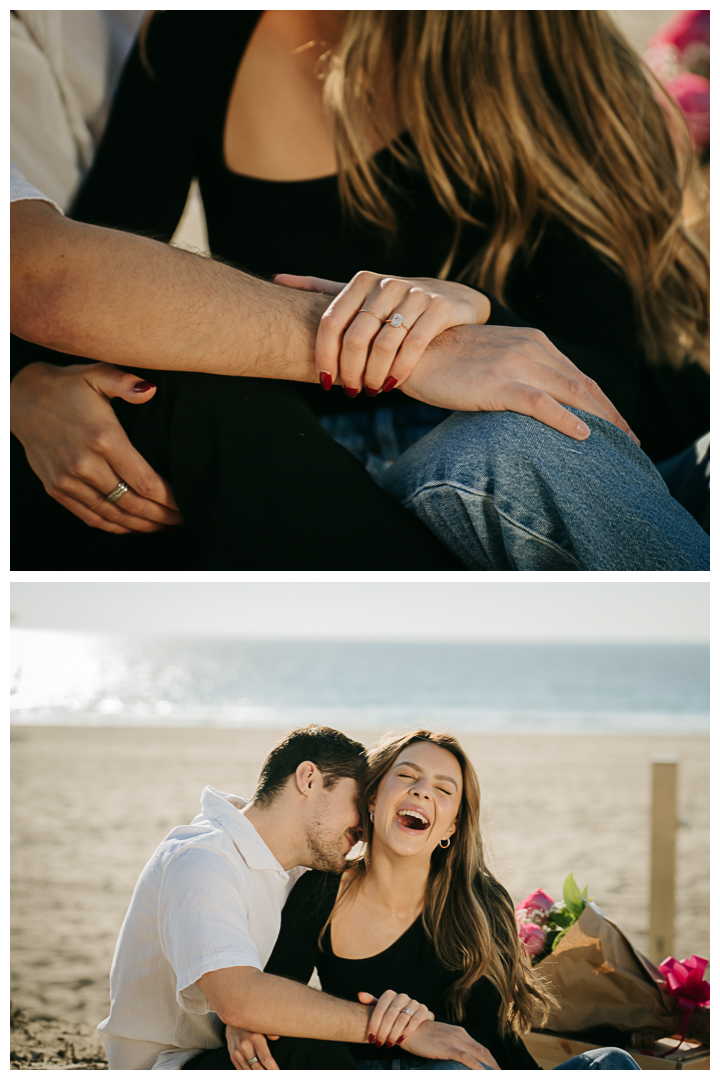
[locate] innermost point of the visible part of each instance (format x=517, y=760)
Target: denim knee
x=505, y=492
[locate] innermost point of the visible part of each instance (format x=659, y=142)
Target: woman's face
x=418, y=799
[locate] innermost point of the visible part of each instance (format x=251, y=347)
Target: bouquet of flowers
x=679, y=55
x=542, y=922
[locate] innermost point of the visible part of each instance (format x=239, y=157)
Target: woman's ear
x=452, y=828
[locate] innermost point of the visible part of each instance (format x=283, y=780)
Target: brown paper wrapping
x=599, y=978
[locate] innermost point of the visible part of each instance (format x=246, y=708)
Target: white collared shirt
x=210, y=897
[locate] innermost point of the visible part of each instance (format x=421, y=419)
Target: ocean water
x=87, y=679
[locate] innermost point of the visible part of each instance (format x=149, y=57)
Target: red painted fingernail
x=380, y=1044
x=371, y=1038
x=350, y=391
x=143, y=387
x=370, y=392
x=389, y=1044
x=326, y=380
x=400, y=1039
x=389, y=384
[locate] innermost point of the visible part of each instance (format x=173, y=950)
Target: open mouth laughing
x=412, y=820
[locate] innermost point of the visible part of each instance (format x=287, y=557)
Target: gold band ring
x=367, y=309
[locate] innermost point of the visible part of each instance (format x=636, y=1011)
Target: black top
x=167, y=127
x=408, y=966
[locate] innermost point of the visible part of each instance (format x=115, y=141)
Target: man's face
x=332, y=824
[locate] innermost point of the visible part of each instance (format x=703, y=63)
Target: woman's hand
x=77, y=446
x=395, y=1017
x=244, y=1045
x=357, y=343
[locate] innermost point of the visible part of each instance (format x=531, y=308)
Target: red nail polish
x=400, y=1039
x=389, y=1044
x=143, y=387
x=351, y=391
x=326, y=380
x=370, y=392
x=371, y=1038
x=381, y=1044
x=389, y=384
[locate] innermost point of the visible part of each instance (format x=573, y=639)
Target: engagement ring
x=398, y=321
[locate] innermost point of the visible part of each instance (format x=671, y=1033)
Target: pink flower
x=692, y=93
x=687, y=32
x=532, y=937
x=537, y=902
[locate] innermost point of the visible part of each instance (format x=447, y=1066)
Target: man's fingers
x=536, y=403
x=584, y=393
x=309, y=284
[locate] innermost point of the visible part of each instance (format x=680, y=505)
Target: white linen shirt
x=210, y=897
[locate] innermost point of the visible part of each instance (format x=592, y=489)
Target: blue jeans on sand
x=605, y=1058
x=505, y=492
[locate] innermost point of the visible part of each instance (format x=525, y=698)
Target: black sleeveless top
x=409, y=966
x=167, y=126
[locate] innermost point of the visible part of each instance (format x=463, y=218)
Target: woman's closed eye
x=407, y=776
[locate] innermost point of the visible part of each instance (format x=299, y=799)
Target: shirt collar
x=225, y=809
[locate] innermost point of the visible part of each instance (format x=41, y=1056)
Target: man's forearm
x=125, y=299
x=248, y=998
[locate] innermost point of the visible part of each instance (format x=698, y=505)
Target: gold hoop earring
x=445, y=842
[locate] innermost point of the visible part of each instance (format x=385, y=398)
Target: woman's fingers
x=425, y=321
x=378, y=1015
x=370, y=344
x=336, y=321
x=389, y=1019
x=95, y=501
x=88, y=516
x=409, y=1019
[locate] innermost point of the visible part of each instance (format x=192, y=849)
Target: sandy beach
x=89, y=805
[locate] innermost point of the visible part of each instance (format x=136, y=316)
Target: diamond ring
x=398, y=321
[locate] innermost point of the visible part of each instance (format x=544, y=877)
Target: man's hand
x=446, y=1042
x=244, y=1045
x=78, y=448
x=497, y=368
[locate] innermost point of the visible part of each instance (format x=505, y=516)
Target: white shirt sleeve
x=21, y=188
x=203, y=920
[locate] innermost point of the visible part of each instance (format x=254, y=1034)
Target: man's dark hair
x=332, y=752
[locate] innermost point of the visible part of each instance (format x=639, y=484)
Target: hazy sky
x=411, y=611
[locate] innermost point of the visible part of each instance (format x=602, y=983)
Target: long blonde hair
x=546, y=114
x=468, y=915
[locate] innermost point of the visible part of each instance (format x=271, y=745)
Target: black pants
x=288, y=1053
x=260, y=483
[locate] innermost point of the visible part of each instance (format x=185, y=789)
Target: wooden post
x=662, y=856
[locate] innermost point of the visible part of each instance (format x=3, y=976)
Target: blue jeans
x=605, y=1058
x=504, y=492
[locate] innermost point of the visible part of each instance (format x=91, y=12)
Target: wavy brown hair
x=546, y=114
x=468, y=915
